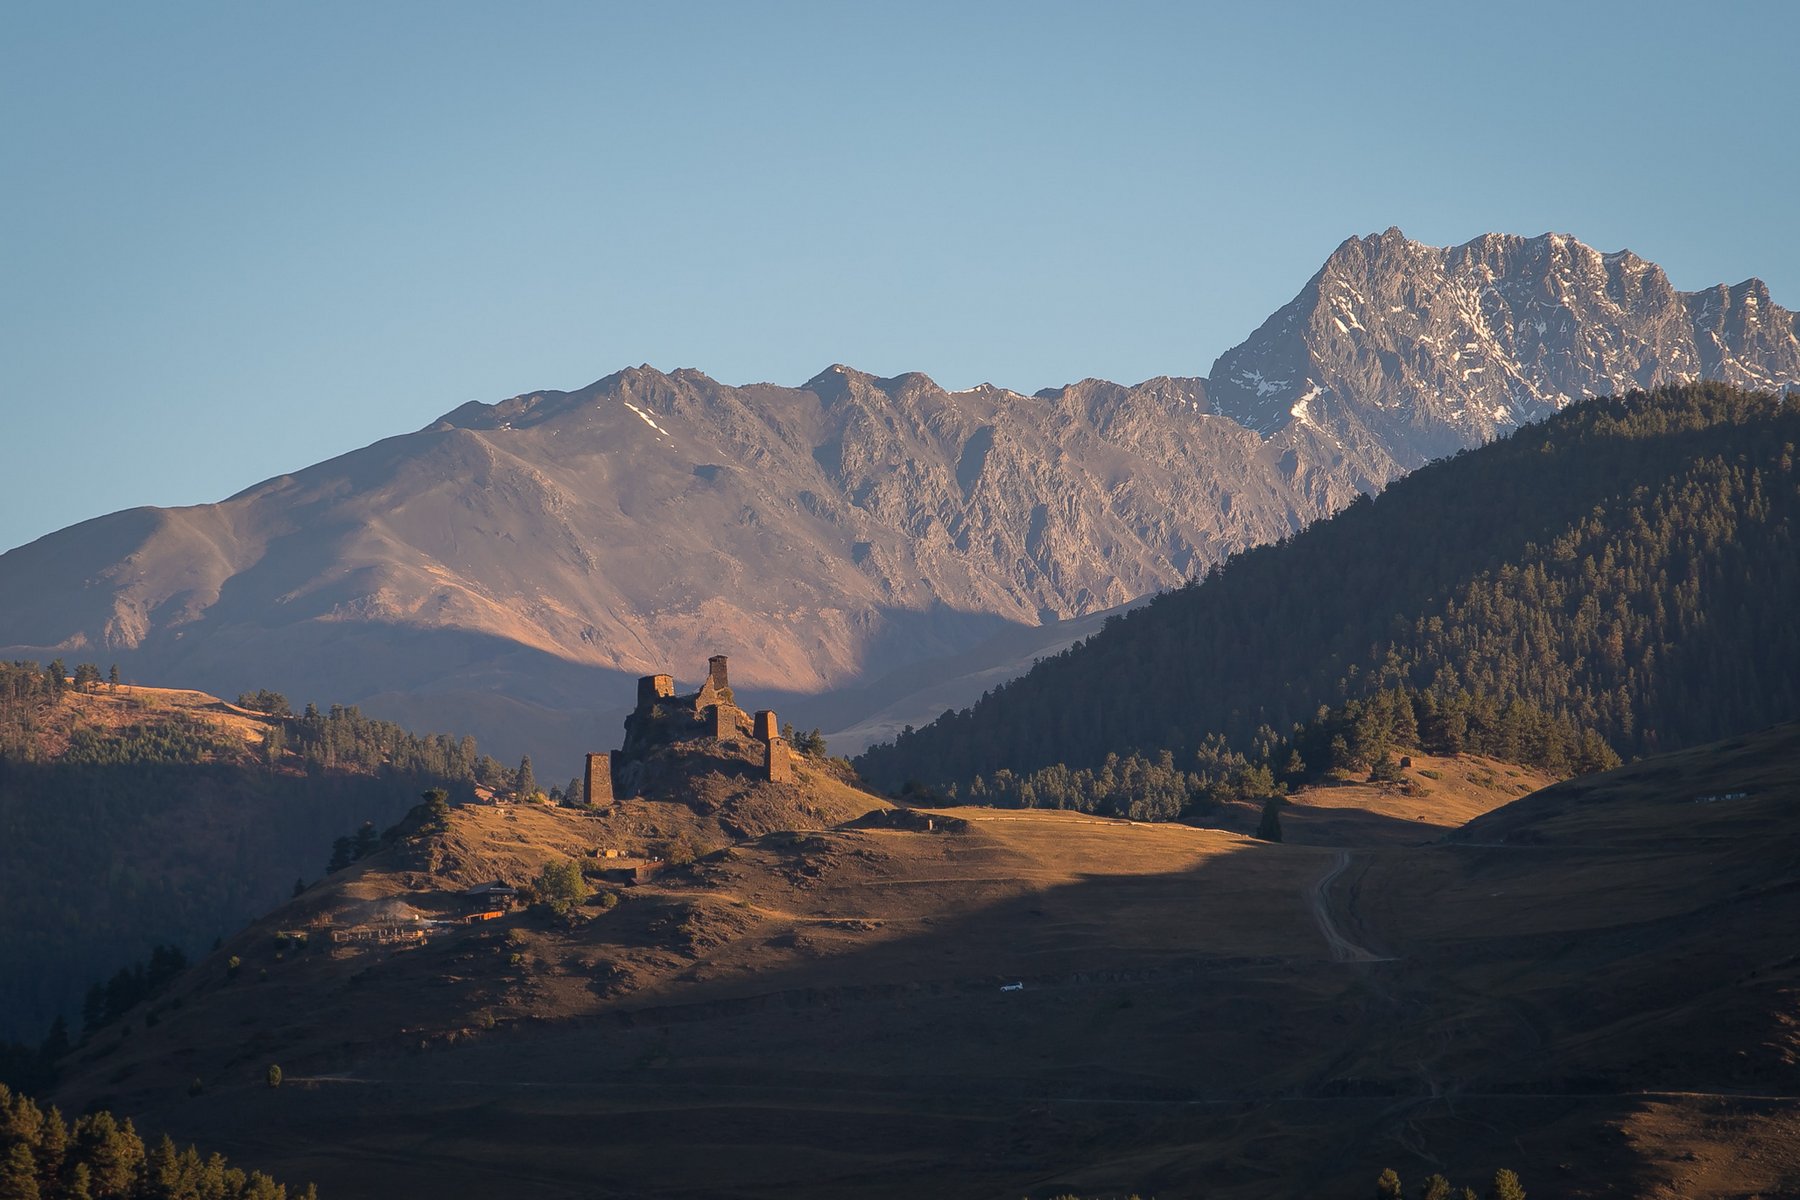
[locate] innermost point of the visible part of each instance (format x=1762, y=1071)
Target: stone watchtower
x=598, y=783
x=778, y=760
x=652, y=688
x=713, y=704
x=717, y=688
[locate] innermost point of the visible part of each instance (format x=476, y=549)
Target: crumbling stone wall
x=652, y=688
x=724, y=720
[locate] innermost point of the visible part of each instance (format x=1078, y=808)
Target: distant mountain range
x=508, y=568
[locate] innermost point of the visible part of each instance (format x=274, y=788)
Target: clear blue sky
x=241, y=238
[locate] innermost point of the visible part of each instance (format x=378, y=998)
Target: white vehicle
x=1012, y=987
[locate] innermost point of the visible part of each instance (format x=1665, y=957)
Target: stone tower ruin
x=652, y=688
x=662, y=718
x=598, y=782
x=778, y=760
x=716, y=689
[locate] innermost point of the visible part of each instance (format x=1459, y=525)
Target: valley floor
x=1593, y=986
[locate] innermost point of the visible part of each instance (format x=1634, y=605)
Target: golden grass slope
x=114, y=707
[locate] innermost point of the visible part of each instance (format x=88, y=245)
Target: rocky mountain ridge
x=502, y=567
x=1399, y=353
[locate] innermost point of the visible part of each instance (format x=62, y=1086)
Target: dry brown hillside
x=1592, y=985
x=112, y=708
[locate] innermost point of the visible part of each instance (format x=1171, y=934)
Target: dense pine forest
x=166, y=829
x=1621, y=575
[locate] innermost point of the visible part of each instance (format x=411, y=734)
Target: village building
x=491, y=895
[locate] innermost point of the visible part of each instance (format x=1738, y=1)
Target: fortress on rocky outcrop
x=662, y=717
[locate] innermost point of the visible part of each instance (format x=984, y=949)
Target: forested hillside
x=1627, y=567
x=136, y=817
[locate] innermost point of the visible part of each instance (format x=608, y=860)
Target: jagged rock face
x=1396, y=353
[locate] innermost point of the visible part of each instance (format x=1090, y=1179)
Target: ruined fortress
x=662, y=717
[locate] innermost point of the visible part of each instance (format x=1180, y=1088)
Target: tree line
x=1360, y=736
x=98, y=1157
x=1504, y=1186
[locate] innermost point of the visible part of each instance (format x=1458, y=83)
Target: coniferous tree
x=162, y=1169
x=1406, y=723
x=111, y=1151
x=18, y=1174
x=1506, y=1186
x=368, y=841
x=1269, y=828
x=52, y=1148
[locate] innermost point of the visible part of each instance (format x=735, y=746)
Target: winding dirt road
x=1342, y=948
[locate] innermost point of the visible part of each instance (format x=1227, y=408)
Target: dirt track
x=1319, y=900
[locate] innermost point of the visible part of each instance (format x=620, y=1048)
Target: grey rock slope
x=1396, y=353
x=506, y=570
